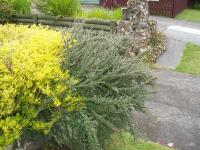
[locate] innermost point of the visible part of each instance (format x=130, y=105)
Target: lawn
x=127, y=142
x=192, y=14
x=101, y=13
x=190, y=60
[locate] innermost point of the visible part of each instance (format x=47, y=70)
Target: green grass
x=127, y=142
x=68, y=8
x=72, y=8
x=21, y=6
x=190, y=61
x=101, y=13
x=192, y=14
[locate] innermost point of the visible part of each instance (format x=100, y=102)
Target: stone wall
x=136, y=23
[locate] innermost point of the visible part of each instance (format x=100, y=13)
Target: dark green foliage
x=10, y=7
x=111, y=85
x=5, y=10
x=198, y=1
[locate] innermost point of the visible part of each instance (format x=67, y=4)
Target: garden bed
x=154, y=49
x=73, y=82
x=73, y=87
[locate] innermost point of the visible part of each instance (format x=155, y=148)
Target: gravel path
x=174, y=115
x=176, y=40
x=174, y=109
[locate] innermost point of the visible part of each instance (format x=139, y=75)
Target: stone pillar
x=135, y=22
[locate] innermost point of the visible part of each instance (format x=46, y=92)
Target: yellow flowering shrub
x=32, y=81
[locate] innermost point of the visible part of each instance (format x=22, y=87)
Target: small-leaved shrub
x=157, y=46
x=73, y=90
x=111, y=84
x=32, y=82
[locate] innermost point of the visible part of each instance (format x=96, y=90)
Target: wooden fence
x=93, y=24
x=162, y=8
x=169, y=8
x=113, y=3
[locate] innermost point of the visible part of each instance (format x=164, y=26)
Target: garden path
x=178, y=33
x=174, y=114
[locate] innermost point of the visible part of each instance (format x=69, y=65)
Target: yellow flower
x=57, y=102
x=70, y=46
x=75, y=41
x=30, y=73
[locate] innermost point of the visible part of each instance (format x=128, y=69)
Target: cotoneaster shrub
x=111, y=84
x=34, y=90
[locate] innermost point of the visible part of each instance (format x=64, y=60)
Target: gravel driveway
x=173, y=111
x=176, y=40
